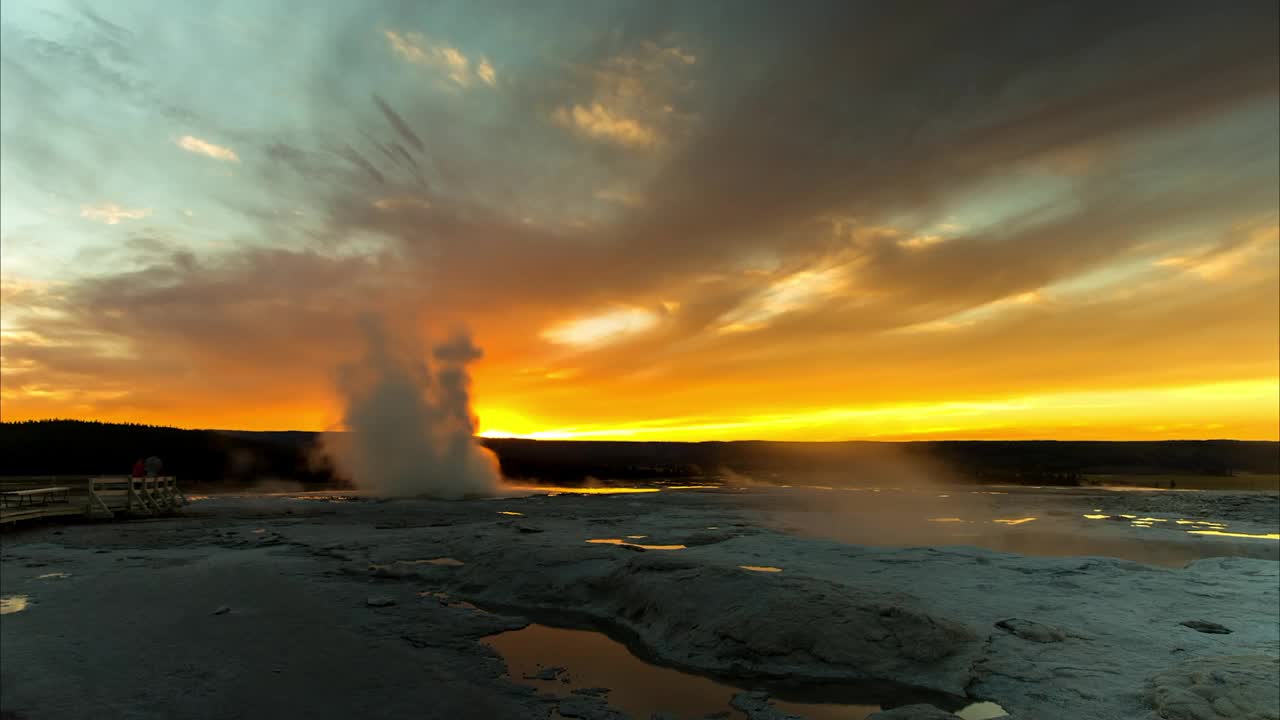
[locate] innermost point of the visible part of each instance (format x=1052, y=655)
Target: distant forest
x=69, y=447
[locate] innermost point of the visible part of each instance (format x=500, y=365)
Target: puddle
x=447, y=561
x=511, y=512
x=620, y=541
x=982, y=711
x=13, y=603
x=553, y=490
x=560, y=660
x=53, y=576
x=1223, y=533
x=637, y=537
x=1013, y=521
x=761, y=568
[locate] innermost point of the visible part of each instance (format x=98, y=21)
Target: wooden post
x=95, y=498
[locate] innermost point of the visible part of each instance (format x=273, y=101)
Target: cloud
x=1238, y=252
x=597, y=121
x=415, y=48
x=112, y=214
x=413, y=201
x=486, y=72
x=631, y=96
x=602, y=328
x=621, y=197
x=204, y=147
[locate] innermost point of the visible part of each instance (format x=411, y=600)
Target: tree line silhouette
x=69, y=447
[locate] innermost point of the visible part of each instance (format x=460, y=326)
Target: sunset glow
x=658, y=226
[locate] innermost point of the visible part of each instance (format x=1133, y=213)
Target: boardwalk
x=23, y=498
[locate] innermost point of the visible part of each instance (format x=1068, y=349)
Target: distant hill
x=51, y=447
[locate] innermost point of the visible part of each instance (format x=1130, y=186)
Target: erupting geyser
x=407, y=420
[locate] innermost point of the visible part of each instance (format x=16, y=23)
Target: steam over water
x=409, y=427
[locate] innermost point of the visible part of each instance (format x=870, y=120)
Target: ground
x=321, y=606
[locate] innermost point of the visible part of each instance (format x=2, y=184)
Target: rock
x=592, y=691
x=390, y=572
x=546, y=673
x=1033, y=631
x=588, y=708
x=379, y=601
x=1205, y=626
x=222, y=610
x=913, y=712
x=1235, y=687
x=756, y=706
x=838, y=633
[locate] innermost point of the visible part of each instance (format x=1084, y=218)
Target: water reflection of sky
x=13, y=603
x=621, y=541
x=1191, y=527
x=559, y=661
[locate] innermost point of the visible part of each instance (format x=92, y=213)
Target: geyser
x=407, y=424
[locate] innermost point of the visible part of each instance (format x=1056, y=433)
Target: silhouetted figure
x=138, y=468
x=154, y=466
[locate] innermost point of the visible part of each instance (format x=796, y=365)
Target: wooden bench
x=18, y=498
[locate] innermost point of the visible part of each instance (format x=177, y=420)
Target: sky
x=660, y=220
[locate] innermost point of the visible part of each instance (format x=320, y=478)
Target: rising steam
x=408, y=423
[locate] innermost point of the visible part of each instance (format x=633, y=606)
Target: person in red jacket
x=139, y=468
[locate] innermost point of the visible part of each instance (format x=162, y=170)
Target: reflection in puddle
x=1017, y=521
x=552, y=490
x=982, y=711
x=761, y=568
x=53, y=576
x=511, y=512
x=13, y=604
x=1096, y=517
x=620, y=541
x=641, y=690
x=947, y=520
x=1223, y=533
x=637, y=537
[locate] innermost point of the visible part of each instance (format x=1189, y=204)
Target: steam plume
x=409, y=427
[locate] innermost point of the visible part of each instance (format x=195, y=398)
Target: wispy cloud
x=417, y=49
x=632, y=96
x=194, y=144
x=794, y=292
x=601, y=123
x=1231, y=256
x=621, y=197
x=487, y=73
x=603, y=328
x=112, y=214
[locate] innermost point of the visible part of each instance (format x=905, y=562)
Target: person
x=154, y=465
x=138, y=468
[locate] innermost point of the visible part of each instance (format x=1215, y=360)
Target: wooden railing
x=88, y=496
